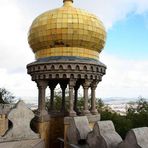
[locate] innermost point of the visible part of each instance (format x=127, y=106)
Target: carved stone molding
x=66, y=70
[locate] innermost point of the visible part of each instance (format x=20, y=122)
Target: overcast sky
x=125, y=53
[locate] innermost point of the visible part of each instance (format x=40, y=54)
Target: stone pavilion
x=66, y=42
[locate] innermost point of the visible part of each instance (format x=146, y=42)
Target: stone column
x=72, y=113
x=63, y=87
x=42, y=85
x=52, y=88
x=86, y=86
x=93, y=98
x=76, y=88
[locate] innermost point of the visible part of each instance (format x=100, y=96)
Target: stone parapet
x=76, y=129
x=136, y=138
x=104, y=136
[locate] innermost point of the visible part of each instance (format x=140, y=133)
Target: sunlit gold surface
x=67, y=27
x=67, y=51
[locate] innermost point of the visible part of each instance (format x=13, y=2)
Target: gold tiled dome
x=67, y=31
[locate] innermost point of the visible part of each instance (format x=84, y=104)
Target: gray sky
x=16, y=18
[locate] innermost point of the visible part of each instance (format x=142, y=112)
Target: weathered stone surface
x=78, y=130
x=5, y=108
x=136, y=138
x=103, y=136
x=37, y=143
x=20, y=117
x=3, y=124
x=82, y=126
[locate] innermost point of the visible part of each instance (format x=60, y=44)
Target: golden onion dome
x=67, y=31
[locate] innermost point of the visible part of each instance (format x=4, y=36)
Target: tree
x=138, y=113
x=6, y=97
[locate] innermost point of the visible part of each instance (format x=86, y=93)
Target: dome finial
x=67, y=1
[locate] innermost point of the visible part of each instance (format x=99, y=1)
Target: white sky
x=15, y=54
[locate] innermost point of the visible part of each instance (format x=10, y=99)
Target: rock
x=20, y=116
x=104, y=136
x=136, y=138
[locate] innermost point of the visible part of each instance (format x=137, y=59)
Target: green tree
x=138, y=113
x=6, y=97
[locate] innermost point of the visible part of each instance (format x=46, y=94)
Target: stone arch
x=45, y=68
x=91, y=76
x=72, y=76
x=97, y=69
x=61, y=67
x=100, y=78
x=39, y=67
x=91, y=68
x=57, y=76
x=69, y=67
x=85, y=68
x=64, y=76
x=52, y=67
x=44, y=76
x=86, y=76
x=79, y=76
x=77, y=67
x=101, y=70
x=50, y=76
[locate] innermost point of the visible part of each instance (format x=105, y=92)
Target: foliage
x=136, y=115
x=121, y=123
x=58, y=101
x=6, y=97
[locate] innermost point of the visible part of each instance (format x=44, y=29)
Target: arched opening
x=85, y=68
x=69, y=67
x=77, y=67
x=61, y=67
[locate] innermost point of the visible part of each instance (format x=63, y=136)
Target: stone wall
x=4, y=110
x=51, y=130
x=3, y=124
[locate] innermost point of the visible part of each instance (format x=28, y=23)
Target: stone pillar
x=72, y=113
x=63, y=87
x=52, y=88
x=42, y=113
x=76, y=88
x=86, y=86
x=41, y=120
x=93, y=98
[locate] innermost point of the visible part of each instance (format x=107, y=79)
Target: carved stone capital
x=72, y=83
x=94, y=84
x=42, y=84
x=86, y=83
